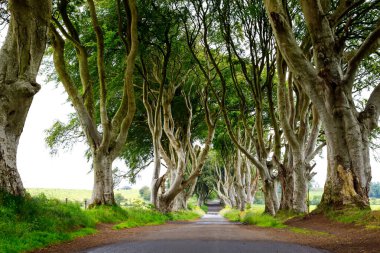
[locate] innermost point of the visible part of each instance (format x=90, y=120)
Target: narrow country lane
x=211, y=234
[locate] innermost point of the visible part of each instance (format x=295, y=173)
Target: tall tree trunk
x=102, y=193
x=329, y=82
x=286, y=178
x=156, y=180
x=10, y=180
x=20, y=59
x=287, y=193
x=241, y=195
x=349, y=170
x=271, y=197
x=300, y=184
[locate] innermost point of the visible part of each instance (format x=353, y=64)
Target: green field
x=77, y=195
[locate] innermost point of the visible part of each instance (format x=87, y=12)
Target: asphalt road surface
x=211, y=234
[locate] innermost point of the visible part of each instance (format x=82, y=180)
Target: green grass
x=108, y=214
x=35, y=222
x=186, y=215
x=367, y=218
x=146, y=217
x=254, y=216
x=30, y=223
x=231, y=214
x=261, y=220
x=307, y=231
x=141, y=217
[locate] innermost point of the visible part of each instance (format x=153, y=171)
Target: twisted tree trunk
x=107, y=144
x=329, y=82
x=20, y=59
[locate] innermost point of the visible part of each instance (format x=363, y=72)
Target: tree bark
x=300, y=184
x=271, y=197
x=102, y=193
x=349, y=170
x=328, y=84
x=20, y=59
x=180, y=202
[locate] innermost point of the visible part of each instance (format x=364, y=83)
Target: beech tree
x=301, y=126
x=340, y=41
x=106, y=138
x=238, y=59
x=171, y=90
x=236, y=178
x=183, y=158
x=20, y=59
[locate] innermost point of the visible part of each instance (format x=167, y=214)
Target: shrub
x=145, y=193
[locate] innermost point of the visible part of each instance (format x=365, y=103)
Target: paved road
x=211, y=234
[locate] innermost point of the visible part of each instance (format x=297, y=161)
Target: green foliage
x=252, y=217
x=363, y=217
x=231, y=214
x=374, y=190
x=35, y=222
x=145, y=217
x=145, y=193
x=141, y=217
x=108, y=214
x=261, y=220
x=63, y=135
x=204, y=208
x=119, y=198
x=30, y=223
x=315, y=200
x=183, y=215
x=353, y=215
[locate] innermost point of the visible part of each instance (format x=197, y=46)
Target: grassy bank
x=35, y=222
x=253, y=216
x=366, y=218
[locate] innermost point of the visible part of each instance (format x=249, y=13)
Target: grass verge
x=252, y=217
x=255, y=216
x=30, y=223
x=362, y=217
x=34, y=222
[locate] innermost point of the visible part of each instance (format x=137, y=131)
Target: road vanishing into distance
x=211, y=234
